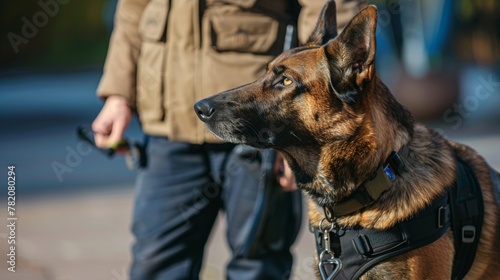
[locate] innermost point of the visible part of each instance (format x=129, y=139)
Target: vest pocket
x=150, y=66
x=153, y=21
x=243, y=32
x=150, y=82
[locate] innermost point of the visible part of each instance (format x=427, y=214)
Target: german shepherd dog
x=326, y=110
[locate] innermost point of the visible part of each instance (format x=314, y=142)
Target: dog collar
x=372, y=189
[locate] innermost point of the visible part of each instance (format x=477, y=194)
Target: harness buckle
x=468, y=234
x=443, y=216
x=396, y=163
x=362, y=245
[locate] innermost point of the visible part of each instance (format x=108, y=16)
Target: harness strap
x=361, y=249
x=495, y=182
x=468, y=212
x=461, y=208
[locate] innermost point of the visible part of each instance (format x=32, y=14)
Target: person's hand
x=284, y=174
x=111, y=122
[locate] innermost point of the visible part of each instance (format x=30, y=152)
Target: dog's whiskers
x=294, y=135
x=232, y=102
x=250, y=126
x=331, y=84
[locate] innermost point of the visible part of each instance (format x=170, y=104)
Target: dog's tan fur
x=336, y=124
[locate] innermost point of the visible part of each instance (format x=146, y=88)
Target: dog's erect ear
x=326, y=27
x=354, y=48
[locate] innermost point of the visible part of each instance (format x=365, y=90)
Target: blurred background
x=439, y=57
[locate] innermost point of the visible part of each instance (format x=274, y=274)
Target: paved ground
x=84, y=235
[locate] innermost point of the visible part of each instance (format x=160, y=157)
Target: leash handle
x=134, y=160
x=85, y=134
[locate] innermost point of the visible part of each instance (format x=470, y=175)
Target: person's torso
x=191, y=50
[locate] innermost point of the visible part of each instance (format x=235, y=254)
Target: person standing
x=163, y=56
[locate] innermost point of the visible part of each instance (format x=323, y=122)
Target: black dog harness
x=347, y=253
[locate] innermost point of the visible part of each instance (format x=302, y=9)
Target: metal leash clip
x=327, y=258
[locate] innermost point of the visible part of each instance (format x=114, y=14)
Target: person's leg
x=173, y=215
x=263, y=221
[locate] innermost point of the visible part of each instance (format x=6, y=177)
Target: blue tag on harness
x=389, y=173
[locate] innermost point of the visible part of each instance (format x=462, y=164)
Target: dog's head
x=312, y=103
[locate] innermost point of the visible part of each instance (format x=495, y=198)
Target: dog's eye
x=286, y=81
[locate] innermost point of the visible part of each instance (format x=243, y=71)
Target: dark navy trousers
x=178, y=196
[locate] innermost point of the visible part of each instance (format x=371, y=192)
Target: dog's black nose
x=204, y=109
